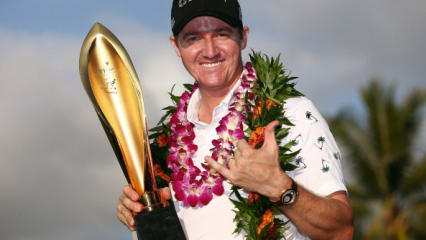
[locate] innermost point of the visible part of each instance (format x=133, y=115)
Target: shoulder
x=300, y=110
x=306, y=119
x=297, y=104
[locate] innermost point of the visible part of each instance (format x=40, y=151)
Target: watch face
x=288, y=197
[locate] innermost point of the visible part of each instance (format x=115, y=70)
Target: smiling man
x=208, y=35
x=211, y=52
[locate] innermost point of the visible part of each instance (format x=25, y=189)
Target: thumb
x=165, y=193
x=270, y=140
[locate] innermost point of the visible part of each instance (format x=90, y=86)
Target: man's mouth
x=215, y=64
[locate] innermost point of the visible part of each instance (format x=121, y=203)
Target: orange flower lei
x=257, y=137
x=253, y=196
x=267, y=218
x=158, y=171
x=162, y=140
x=258, y=109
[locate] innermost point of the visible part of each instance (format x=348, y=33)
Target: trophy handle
x=150, y=161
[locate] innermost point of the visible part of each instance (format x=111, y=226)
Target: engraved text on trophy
x=109, y=74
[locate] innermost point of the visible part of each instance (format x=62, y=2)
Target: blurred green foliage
x=387, y=193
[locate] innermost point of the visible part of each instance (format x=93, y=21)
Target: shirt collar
x=194, y=105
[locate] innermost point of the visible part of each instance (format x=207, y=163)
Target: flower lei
x=192, y=186
x=257, y=101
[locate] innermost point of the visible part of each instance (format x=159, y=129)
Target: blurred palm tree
x=388, y=195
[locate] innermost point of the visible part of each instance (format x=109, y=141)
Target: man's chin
x=215, y=83
x=211, y=78
x=209, y=83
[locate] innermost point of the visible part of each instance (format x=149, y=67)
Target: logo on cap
x=184, y=2
x=172, y=23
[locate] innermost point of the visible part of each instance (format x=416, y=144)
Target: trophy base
x=159, y=224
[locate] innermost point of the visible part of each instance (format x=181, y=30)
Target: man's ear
x=173, y=42
x=246, y=31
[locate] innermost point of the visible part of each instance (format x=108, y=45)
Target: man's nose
x=210, y=49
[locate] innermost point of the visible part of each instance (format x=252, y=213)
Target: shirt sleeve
x=319, y=161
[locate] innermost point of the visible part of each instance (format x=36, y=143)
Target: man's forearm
x=321, y=217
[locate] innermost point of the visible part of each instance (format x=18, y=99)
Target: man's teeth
x=211, y=64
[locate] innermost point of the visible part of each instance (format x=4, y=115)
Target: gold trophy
x=112, y=85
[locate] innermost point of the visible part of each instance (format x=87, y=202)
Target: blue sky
x=59, y=178
x=70, y=17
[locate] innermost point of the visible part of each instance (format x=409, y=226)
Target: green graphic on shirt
x=320, y=142
x=325, y=166
x=300, y=163
x=337, y=156
x=309, y=116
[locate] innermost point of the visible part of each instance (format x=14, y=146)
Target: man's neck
x=208, y=103
x=211, y=98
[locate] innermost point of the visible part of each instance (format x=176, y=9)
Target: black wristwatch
x=289, y=196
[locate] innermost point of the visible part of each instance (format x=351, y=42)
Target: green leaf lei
x=272, y=88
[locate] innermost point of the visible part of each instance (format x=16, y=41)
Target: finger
x=130, y=221
x=237, y=153
x=130, y=204
x=129, y=218
x=232, y=164
x=126, y=219
x=123, y=220
x=238, y=156
x=218, y=167
x=242, y=145
x=270, y=140
x=130, y=193
x=165, y=193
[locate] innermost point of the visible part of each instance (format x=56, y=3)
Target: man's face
x=211, y=51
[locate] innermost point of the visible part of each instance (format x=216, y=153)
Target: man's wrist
x=287, y=193
x=283, y=183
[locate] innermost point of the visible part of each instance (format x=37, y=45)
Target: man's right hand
x=129, y=205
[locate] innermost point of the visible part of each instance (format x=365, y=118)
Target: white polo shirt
x=318, y=169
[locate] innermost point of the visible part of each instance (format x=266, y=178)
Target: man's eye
x=191, y=39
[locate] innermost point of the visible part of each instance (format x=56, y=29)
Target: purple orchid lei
x=191, y=185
